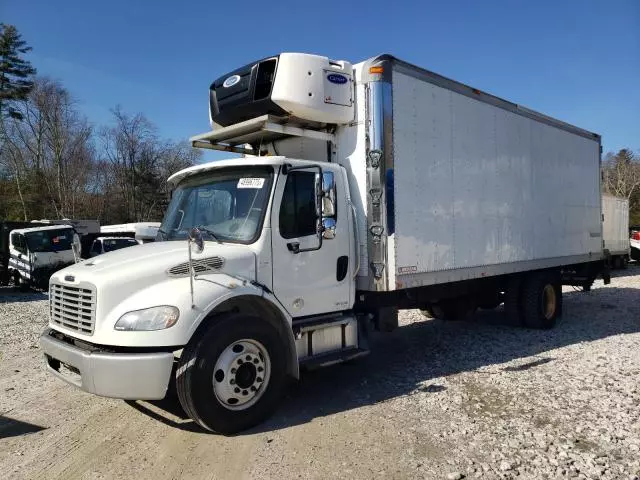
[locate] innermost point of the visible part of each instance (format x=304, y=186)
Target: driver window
x=298, y=207
x=18, y=243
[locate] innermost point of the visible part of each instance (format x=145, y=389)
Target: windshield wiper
x=209, y=231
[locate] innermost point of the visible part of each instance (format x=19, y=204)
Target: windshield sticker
x=250, y=183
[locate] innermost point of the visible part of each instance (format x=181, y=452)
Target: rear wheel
x=232, y=377
x=541, y=300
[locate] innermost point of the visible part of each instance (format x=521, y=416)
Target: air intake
x=205, y=265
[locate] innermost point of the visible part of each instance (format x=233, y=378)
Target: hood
x=138, y=266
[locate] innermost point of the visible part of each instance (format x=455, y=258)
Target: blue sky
x=578, y=61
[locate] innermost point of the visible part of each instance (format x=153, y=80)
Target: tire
x=541, y=300
x=20, y=283
x=616, y=262
x=208, y=379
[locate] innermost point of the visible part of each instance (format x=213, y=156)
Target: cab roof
x=236, y=162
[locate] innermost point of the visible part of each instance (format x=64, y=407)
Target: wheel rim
x=549, y=301
x=241, y=374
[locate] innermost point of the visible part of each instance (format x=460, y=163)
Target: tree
x=621, y=175
x=16, y=74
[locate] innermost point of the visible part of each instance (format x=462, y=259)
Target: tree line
x=55, y=164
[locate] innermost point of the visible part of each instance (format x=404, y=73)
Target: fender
x=252, y=299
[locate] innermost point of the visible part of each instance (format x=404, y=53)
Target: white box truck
x=615, y=229
x=363, y=189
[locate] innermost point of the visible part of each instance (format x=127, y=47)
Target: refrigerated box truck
x=363, y=189
x=615, y=229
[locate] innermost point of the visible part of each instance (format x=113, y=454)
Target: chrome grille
x=73, y=307
x=199, y=266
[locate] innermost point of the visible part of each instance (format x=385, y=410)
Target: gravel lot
x=434, y=400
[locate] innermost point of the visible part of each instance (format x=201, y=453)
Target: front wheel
x=232, y=377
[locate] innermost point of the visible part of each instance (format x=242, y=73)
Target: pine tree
x=16, y=74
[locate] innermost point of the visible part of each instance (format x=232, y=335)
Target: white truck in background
x=615, y=229
x=144, y=232
x=364, y=189
x=35, y=253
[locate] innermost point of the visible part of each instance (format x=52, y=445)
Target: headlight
x=154, y=318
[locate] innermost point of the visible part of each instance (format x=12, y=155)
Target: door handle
x=294, y=247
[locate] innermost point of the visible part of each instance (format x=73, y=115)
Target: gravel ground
x=435, y=400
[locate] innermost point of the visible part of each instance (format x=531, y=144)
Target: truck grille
x=73, y=307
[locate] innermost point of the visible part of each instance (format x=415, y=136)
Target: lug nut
x=260, y=369
x=259, y=379
x=244, y=392
x=233, y=370
x=237, y=390
x=232, y=381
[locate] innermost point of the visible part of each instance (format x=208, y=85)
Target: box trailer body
x=615, y=228
x=363, y=189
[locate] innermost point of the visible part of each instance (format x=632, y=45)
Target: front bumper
x=130, y=376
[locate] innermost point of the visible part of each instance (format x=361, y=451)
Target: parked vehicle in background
x=145, y=232
x=386, y=187
x=635, y=243
x=5, y=230
x=110, y=244
x=82, y=227
x=615, y=229
x=35, y=253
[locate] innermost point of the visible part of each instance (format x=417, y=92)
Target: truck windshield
x=50, y=240
x=230, y=204
x=111, y=244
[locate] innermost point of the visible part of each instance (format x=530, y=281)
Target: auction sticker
x=250, y=183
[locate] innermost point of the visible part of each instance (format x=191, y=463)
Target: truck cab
x=35, y=253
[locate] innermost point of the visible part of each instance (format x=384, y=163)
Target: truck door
x=317, y=281
x=19, y=255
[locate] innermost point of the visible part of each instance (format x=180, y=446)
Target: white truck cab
x=110, y=244
x=35, y=253
x=362, y=189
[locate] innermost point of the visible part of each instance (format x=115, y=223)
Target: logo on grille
x=70, y=278
x=231, y=81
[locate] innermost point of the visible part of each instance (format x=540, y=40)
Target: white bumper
x=130, y=376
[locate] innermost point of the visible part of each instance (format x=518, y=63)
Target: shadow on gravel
x=402, y=361
x=15, y=428
x=11, y=294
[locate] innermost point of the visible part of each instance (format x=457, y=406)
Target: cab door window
x=19, y=242
x=298, y=207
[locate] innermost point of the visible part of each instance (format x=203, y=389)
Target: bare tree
x=622, y=173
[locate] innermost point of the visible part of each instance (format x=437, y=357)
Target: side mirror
x=328, y=228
